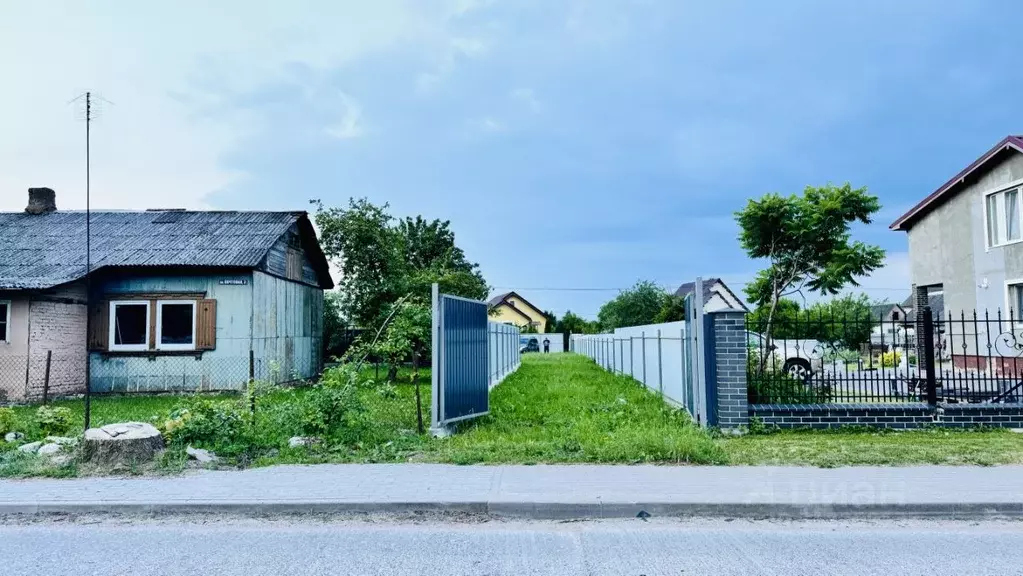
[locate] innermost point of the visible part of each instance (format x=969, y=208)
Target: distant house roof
x=502, y=298
x=935, y=301
x=46, y=250
x=498, y=299
x=708, y=290
x=958, y=182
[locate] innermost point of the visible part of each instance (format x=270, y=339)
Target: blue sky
x=572, y=144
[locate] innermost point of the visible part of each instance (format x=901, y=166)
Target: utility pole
x=89, y=116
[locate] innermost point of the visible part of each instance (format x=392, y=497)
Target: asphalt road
x=193, y=546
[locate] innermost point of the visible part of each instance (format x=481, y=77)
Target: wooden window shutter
x=99, y=327
x=206, y=325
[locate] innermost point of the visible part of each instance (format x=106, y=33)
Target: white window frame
x=159, y=325
x=7, y=322
x=1003, y=222
x=1010, y=301
x=113, y=327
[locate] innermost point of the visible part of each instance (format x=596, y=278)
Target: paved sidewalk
x=580, y=491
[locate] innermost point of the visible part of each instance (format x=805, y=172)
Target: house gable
x=297, y=256
x=1008, y=146
x=510, y=305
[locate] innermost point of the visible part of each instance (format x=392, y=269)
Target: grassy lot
x=555, y=408
x=881, y=448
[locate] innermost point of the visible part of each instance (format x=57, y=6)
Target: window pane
x=176, y=323
x=1012, y=215
x=3, y=322
x=992, y=220
x=130, y=324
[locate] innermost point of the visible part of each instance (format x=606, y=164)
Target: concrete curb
x=533, y=510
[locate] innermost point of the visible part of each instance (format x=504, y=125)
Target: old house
x=177, y=300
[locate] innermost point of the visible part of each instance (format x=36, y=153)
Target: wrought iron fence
x=976, y=357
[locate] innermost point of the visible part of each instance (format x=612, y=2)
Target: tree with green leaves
x=633, y=307
x=572, y=323
x=334, y=327
x=672, y=310
x=786, y=319
x=383, y=259
x=407, y=333
x=551, y=324
x=845, y=321
x=806, y=242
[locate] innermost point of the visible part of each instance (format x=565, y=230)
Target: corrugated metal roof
x=41, y=251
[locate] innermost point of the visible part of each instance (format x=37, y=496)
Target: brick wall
x=57, y=324
x=894, y=416
x=726, y=355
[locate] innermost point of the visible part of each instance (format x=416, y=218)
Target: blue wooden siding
x=276, y=261
x=287, y=327
x=224, y=368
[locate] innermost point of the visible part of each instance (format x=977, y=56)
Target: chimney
x=41, y=201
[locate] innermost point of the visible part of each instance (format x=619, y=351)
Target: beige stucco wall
x=505, y=314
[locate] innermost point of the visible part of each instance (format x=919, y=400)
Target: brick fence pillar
x=726, y=360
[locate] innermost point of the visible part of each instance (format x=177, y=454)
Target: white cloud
x=527, y=97
x=164, y=64
x=350, y=125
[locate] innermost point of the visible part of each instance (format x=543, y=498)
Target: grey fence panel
x=470, y=356
x=504, y=348
x=659, y=356
x=466, y=390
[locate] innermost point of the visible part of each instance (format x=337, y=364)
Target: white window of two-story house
x=1002, y=215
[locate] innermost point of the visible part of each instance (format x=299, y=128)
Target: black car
x=530, y=346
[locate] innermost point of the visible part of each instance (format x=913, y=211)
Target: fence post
x=46, y=377
x=660, y=372
x=252, y=378
x=643, y=349
x=632, y=358
x=682, y=365
x=932, y=381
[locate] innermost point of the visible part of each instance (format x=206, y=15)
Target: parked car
x=800, y=357
x=527, y=344
x=890, y=335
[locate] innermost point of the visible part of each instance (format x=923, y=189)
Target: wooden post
x=252, y=379
x=46, y=377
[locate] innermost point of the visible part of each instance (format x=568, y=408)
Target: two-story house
x=966, y=243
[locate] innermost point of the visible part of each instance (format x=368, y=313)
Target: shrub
x=204, y=422
x=332, y=407
x=890, y=359
x=8, y=421
x=778, y=387
x=54, y=420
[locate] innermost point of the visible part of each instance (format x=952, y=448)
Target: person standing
x=546, y=345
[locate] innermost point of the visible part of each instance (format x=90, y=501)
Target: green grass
x=877, y=448
x=563, y=408
x=558, y=408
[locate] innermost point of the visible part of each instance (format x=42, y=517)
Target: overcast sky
x=573, y=144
